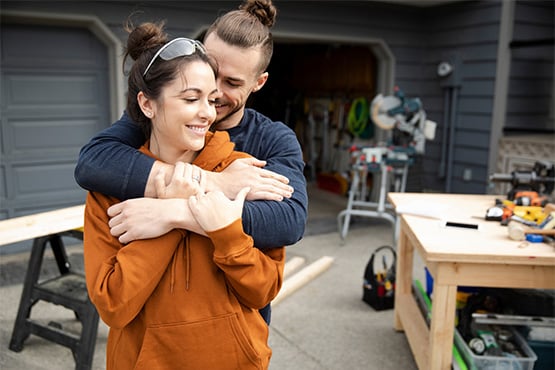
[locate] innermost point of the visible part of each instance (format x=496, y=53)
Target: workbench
x=455, y=256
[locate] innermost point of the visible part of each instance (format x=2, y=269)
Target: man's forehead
x=234, y=63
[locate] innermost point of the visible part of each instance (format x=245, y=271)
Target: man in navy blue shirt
x=110, y=164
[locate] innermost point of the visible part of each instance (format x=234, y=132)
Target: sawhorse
x=358, y=205
x=68, y=289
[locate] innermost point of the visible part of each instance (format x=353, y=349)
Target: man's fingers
x=257, y=162
x=115, y=210
x=124, y=239
x=179, y=171
x=242, y=194
x=117, y=230
x=202, y=184
x=160, y=184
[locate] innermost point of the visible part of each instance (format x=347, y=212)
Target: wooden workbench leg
x=403, y=280
x=442, y=326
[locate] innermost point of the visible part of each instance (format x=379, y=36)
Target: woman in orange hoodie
x=183, y=300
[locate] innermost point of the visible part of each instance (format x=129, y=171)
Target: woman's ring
x=196, y=178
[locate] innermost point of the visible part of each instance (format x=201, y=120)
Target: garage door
x=55, y=96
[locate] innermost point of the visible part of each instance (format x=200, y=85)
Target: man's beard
x=228, y=114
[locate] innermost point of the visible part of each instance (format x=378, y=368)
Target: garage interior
x=309, y=90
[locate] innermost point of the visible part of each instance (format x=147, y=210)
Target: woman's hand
x=213, y=210
x=186, y=180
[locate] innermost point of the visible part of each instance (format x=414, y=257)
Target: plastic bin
x=483, y=362
x=545, y=352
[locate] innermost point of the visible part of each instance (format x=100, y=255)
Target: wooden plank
x=40, y=224
x=442, y=326
x=415, y=328
x=497, y=275
x=403, y=284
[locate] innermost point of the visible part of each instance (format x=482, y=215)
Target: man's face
x=237, y=78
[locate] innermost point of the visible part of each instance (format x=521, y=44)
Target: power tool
x=529, y=193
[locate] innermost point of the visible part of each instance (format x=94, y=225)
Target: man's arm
x=110, y=163
x=281, y=223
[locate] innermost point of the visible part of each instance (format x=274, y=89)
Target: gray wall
x=468, y=32
x=530, y=95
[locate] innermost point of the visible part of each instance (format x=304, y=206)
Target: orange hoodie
x=182, y=300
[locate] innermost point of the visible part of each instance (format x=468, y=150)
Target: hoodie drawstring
x=173, y=267
x=188, y=264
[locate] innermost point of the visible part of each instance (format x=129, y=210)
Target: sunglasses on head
x=176, y=48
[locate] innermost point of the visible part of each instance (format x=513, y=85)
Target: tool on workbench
x=518, y=231
x=526, y=201
x=531, y=186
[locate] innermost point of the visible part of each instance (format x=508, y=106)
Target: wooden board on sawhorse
x=68, y=289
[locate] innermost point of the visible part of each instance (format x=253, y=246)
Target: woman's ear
x=146, y=104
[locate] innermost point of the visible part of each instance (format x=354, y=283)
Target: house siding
x=468, y=30
x=530, y=96
x=419, y=38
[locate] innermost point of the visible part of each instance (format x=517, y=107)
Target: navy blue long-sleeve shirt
x=110, y=164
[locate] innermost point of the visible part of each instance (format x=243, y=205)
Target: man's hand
x=264, y=184
x=187, y=180
x=214, y=210
x=145, y=218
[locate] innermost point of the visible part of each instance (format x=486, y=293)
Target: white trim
x=100, y=30
x=501, y=82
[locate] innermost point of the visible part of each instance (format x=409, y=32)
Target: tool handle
x=539, y=231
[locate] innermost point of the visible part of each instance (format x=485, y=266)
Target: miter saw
x=410, y=129
x=406, y=117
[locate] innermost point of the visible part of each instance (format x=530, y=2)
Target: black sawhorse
x=68, y=290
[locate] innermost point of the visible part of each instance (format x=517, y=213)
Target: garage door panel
x=55, y=97
x=3, y=183
x=46, y=178
x=63, y=136
x=33, y=46
x=36, y=90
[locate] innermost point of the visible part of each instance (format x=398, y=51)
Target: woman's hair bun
x=144, y=37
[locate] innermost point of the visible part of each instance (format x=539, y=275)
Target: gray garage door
x=54, y=97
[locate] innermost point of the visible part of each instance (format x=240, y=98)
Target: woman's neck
x=168, y=154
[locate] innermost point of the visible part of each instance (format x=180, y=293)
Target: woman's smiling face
x=184, y=112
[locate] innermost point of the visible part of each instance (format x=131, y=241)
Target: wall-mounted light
x=444, y=69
